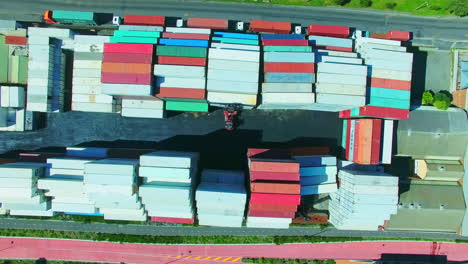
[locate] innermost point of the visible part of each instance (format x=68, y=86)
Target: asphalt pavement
x=151, y=229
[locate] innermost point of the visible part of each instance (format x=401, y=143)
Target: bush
x=340, y=2
x=458, y=8
x=428, y=98
x=391, y=5
x=365, y=3
x=442, y=101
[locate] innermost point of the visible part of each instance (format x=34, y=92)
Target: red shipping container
x=378, y=35
x=274, y=166
x=269, y=153
x=270, y=26
x=273, y=176
x=345, y=114
x=391, y=84
x=188, y=221
x=186, y=36
x=192, y=61
x=285, y=42
x=304, y=151
x=38, y=157
x=335, y=48
x=289, y=67
x=398, y=35
x=384, y=112
x=171, y=92
x=328, y=30
x=16, y=40
x=260, y=213
x=195, y=22
x=267, y=198
x=126, y=78
x=376, y=138
x=283, y=188
x=127, y=57
x=142, y=20
x=128, y=48
x=272, y=207
x=348, y=138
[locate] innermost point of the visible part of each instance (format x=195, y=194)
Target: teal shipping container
x=390, y=93
x=74, y=17
x=131, y=33
x=388, y=102
x=139, y=40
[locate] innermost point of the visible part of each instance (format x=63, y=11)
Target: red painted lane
x=146, y=253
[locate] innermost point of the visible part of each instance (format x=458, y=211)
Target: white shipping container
x=87, y=64
x=68, y=163
x=91, y=39
x=112, y=166
x=351, y=100
x=171, y=159
x=369, y=45
x=143, y=103
x=342, y=79
x=232, y=86
x=269, y=220
x=389, y=65
x=348, y=69
x=337, y=59
x=359, y=41
x=192, y=83
x=334, y=88
x=233, y=75
x=220, y=64
x=235, y=46
x=85, y=47
x=322, y=52
x=93, y=107
x=179, y=71
x=80, y=72
x=141, y=28
x=229, y=98
x=188, y=30
x=387, y=142
x=86, y=89
x=297, y=98
x=87, y=81
x=150, y=172
x=127, y=89
x=391, y=74
x=59, y=33
x=109, y=179
x=71, y=207
x=233, y=55
x=286, y=87
x=251, y=224
x=142, y=113
x=93, y=98
x=388, y=55
x=78, y=172
x=47, y=213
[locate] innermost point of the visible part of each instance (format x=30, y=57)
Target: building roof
x=429, y=207
x=447, y=132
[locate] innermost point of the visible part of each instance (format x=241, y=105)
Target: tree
x=428, y=98
x=391, y=5
x=458, y=8
x=365, y=3
x=340, y=2
x=442, y=101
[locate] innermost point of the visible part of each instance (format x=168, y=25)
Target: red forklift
x=231, y=112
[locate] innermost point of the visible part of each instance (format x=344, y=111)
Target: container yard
x=153, y=68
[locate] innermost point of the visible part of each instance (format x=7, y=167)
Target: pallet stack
x=364, y=201
x=221, y=198
x=275, y=189
x=288, y=75
x=19, y=192
x=168, y=186
x=368, y=141
x=233, y=69
x=180, y=72
x=87, y=87
x=318, y=173
x=64, y=185
x=112, y=185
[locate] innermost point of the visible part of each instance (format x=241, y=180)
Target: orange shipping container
x=133, y=68
x=284, y=188
x=272, y=166
x=460, y=98
x=365, y=143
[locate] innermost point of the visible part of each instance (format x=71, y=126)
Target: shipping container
x=221, y=64
x=384, y=112
x=288, y=67
x=270, y=26
x=195, y=106
x=74, y=17
x=234, y=46
x=142, y=34
x=169, y=35
x=16, y=40
x=233, y=75
x=184, y=42
x=318, y=189
x=286, y=87
x=192, y=83
x=141, y=28
x=398, y=35
x=389, y=102
x=128, y=68
x=390, y=84
x=126, y=78
x=263, y=213
x=128, y=48
x=127, y=57
x=328, y=30
x=187, y=221
x=341, y=79
x=273, y=176
x=282, y=36
x=146, y=102
x=387, y=145
x=334, y=48
x=389, y=65
x=376, y=141
x=285, y=42
x=181, y=93
x=276, y=77
x=336, y=59
x=179, y=71
x=351, y=100
x=269, y=166
x=282, y=188
x=230, y=98
x=232, y=87
x=304, y=57
x=333, y=88
x=288, y=48
x=190, y=61
x=181, y=51
x=348, y=69
x=143, y=20
x=329, y=41
x=188, y=30
x=236, y=35
x=194, y=22
x=390, y=93
x=265, y=198
x=234, y=55
x=288, y=98
x=234, y=41
x=142, y=113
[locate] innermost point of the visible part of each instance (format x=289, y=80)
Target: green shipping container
x=138, y=40
x=4, y=61
x=343, y=133
x=2, y=39
x=74, y=17
x=236, y=41
x=388, y=102
x=130, y=33
x=181, y=51
x=23, y=70
x=187, y=106
x=288, y=48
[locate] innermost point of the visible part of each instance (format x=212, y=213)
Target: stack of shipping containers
x=180, y=72
x=168, y=186
x=275, y=189
x=112, y=185
x=46, y=68
x=87, y=87
x=13, y=116
x=221, y=198
x=364, y=201
x=64, y=185
x=19, y=193
x=233, y=69
x=318, y=174
x=13, y=57
x=288, y=75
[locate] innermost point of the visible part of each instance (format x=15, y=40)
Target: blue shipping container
x=236, y=35
x=184, y=42
x=286, y=77
x=312, y=180
x=283, y=36
x=328, y=41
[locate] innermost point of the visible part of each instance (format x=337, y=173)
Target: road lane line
x=236, y=259
x=199, y=257
x=226, y=259
x=206, y=258
x=187, y=257
x=217, y=258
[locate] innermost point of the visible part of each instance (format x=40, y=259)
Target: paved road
x=151, y=229
x=423, y=27
x=147, y=253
